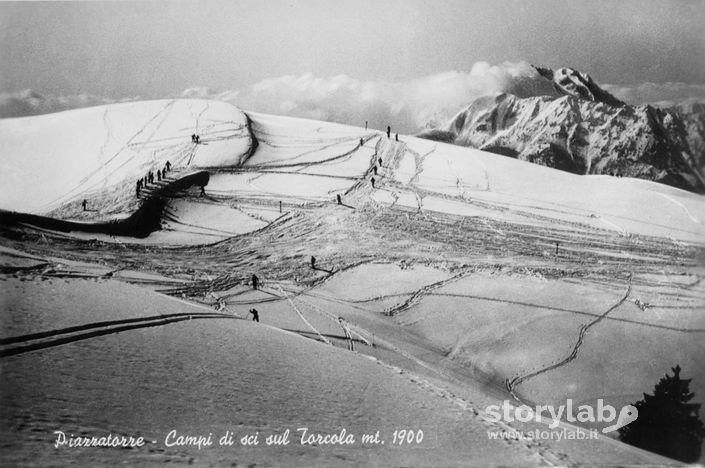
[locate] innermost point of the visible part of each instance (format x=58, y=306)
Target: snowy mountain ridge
x=586, y=130
x=570, y=82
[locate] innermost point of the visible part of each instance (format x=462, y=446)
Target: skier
x=193, y=138
x=396, y=136
x=380, y=161
x=362, y=142
x=85, y=205
x=168, y=166
x=372, y=179
x=365, y=124
x=340, y=201
x=159, y=175
x=255, y=281
x=375, y=170
x=255, y=315
x=139, y=186
x=313, y=262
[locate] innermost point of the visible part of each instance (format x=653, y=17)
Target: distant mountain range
x=583, y=129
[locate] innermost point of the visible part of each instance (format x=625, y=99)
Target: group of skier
x=160, y=174
x=374, y=168
x=150, y=177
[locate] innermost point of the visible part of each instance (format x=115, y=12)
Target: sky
x=155, y=49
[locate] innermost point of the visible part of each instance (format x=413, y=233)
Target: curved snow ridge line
x=513, y=383
x=254, y=142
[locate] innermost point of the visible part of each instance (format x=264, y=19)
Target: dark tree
x=667, y=423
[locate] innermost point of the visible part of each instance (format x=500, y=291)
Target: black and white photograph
x=333, y=233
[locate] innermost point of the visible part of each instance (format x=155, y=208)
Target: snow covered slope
x=477, y=278
x=97, y=153
x=52, y=159
x=467, y=182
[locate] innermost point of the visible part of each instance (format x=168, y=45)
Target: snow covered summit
x=583, y=129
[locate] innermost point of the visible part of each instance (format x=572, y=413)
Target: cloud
x=408, y=106
x=662, y=94
x=28, y=102
x=413, y=105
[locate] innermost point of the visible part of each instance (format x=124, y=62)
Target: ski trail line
x=513, y=383
x=301, y=315
x=96, y=330
x=682, y=206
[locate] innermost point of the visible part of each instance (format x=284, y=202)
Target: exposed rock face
x=586, y=131
x=692, y=113
x=569, y=82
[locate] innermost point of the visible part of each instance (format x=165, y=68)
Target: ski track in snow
x=276, y=250
x=110, y=159
x=683, y=207
x=610, y=223
x=512, y=384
